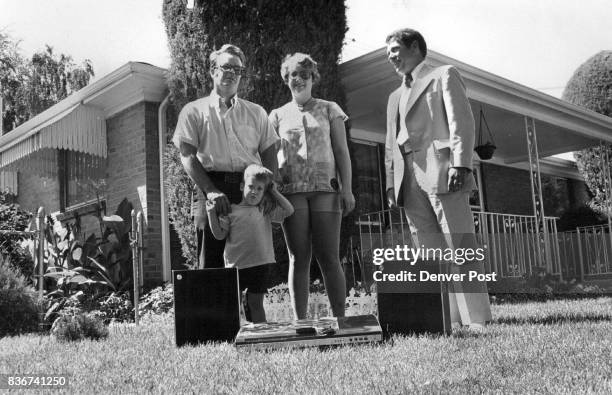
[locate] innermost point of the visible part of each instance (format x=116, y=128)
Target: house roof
x=560, y=126
x=76, y=122
x=368, y=80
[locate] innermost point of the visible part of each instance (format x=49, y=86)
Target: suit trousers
x=445, y=221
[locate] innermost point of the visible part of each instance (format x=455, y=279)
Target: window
x=368, y=165
x=81, y=178
x=556, y=195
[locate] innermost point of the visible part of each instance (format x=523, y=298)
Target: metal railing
x=514, y=247
x=137, y=244
x=511, y=243
x=586, y=252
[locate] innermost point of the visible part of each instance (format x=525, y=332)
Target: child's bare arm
x=218, y=230
x=282, y=201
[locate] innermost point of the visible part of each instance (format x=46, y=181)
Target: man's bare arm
x=196, y=172
x=213, y=221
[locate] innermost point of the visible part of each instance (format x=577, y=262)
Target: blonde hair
x=259, y=173
x=303, y=60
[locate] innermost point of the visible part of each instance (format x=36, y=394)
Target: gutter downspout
x=165, y=229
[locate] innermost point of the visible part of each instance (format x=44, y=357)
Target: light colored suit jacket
x=440, y=131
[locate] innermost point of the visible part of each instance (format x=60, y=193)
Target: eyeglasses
x=238, y=70
x=303, y=74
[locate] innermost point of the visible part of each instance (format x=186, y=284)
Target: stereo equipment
x=206, y=305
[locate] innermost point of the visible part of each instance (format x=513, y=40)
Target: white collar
x=217, y=100
x=415, y=72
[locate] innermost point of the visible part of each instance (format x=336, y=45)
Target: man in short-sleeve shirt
x=218, y=137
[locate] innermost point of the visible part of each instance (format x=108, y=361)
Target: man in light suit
x=428, y=161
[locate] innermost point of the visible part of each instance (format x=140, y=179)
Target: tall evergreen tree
x=591, y=87
x=266, y=30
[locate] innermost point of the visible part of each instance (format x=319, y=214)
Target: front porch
x=514, y=218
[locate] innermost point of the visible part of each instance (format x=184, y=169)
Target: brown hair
x=407, y=37
x=227, y=48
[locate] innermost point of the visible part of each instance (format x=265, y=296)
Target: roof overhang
x=560, y=126
x=77, y=123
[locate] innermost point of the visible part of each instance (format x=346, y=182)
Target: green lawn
x=553, y=347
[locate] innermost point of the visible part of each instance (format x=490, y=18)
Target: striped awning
x=79, y=128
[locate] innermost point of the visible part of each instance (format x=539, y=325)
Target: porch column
x=543, y=250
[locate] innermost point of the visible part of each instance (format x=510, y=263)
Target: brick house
x=523, y=188
x=505, y=179
x=111, y=130
x=106, y=131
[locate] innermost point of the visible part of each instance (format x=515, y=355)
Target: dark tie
x=408, y=80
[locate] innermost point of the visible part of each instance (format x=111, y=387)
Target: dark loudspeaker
x=206, y=305
x=413, y=307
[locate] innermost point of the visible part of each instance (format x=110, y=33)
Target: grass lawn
x=552, y=347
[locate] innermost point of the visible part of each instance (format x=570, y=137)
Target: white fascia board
x=488, y=88
x=87, y=94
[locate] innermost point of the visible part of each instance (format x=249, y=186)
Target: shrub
x=14, y=218
x=591, y=87
x=80, y=326
x=540, y=286
x=82, y=270
x=178, y=188
x=578, y=216
x=158, y=300
x=115, y=307
x=18, y=305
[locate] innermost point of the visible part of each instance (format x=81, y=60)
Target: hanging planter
x=484, y=150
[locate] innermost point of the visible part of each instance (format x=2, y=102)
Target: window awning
x=79, y=128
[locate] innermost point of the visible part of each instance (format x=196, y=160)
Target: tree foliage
x=178, y=188
x=30, y=86
x=266, y=31
x=14, y=219
x=18, y=304
x=591, y=87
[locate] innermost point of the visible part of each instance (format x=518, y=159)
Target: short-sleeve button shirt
x=226, y=139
